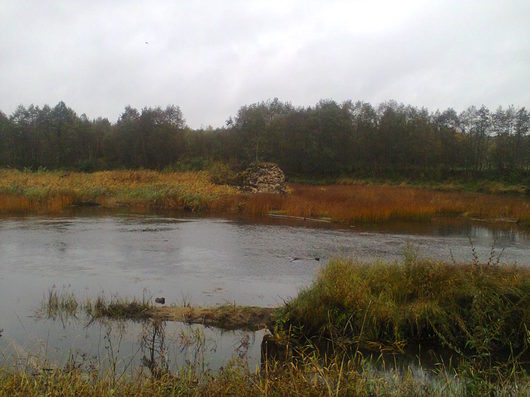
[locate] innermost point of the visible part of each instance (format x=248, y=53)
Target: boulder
x=262, y=178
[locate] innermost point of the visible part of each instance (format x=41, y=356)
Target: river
x=198, y=261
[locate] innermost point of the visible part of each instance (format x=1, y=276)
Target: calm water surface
x=202, y=261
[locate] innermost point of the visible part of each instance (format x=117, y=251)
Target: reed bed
x=64, y=304
x=380, y=203
x=24, y=192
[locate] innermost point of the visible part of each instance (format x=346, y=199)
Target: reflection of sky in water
x=58, y=341
x=201, y=261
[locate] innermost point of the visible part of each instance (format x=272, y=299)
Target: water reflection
x=202, y=261
x=154, y=348
x=119, y=347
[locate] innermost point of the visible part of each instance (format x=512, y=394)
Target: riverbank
x=53, y=192
x=471, y=309
x=478, y=184
x=477, y=313
x=306, y=377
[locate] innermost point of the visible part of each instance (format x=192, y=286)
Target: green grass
x=482, y=185
x=118, y=308
x=65, y=304
x=480, y=312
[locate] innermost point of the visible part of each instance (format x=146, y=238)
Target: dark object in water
x=297, y=258
x=161, y=300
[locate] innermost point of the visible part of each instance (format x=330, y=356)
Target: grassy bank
x=25, y=192
x=228, y=317
x=381, y=203
x=308, y=377
x=480, y=312
x=55, y=191
x=493, y=185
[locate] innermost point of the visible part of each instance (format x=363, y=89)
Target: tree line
x=328, y=139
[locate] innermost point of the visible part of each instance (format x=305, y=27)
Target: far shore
x=346, y=201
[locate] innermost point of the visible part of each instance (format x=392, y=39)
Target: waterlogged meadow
x=56, y=191
x=364, y=203
x=25, y=192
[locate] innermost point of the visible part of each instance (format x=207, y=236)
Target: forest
x=327, y=140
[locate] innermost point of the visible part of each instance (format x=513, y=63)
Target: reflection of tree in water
x=154, y=348
x=242, y=347
x=194, y=345
x=191, y=343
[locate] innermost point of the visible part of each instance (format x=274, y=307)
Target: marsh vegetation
x=53, y=192
x=64, y=304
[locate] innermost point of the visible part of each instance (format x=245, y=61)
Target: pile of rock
x=262, y=178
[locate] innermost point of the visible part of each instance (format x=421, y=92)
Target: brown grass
x=24, y=192
x=55, y=191
x=380, y=203
x=225, y=317
x=229, y=316
x=310, y=377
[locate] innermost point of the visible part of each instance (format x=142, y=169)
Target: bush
x=222, y=174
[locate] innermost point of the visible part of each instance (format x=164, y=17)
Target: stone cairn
x=262, y=178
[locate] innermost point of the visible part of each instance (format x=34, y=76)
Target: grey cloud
x=211, y=57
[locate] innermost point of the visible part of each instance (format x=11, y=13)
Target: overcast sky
x=211, y=57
